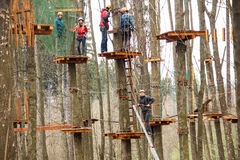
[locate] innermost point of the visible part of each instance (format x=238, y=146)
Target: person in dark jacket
x=145, y=104
x=58, y=25
x=81, y=30
x=127, y=28
x=104, y=26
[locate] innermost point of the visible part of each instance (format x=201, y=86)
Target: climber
x=127, y=29
x=145, y=104
x=82, y=30
x=58, y=25
x=104, y=26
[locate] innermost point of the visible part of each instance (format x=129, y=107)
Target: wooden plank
x=18, y=108
x=26, y=103
x=20, y=29
x=215, y=35
x=68, y=10
x=28, y=24
x=77, y=130
x=154, y=60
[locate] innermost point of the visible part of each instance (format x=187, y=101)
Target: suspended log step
x=208, y=59
x=39, y=29
x=125, y=135
x=77, y=130
x=119, y=55
x=212, y=116
x=162, y=121
x=180, y=35
x=154, y=60
x=231, y=118
x=71, y=59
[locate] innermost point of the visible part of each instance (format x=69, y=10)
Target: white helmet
x=80, y=18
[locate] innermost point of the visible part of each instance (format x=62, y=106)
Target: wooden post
x=26, y=104
x=223, y=34
x=207, y=35
x=215, y=35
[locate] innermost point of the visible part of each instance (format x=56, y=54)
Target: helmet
x=109, y=6
x=60, y=13
x=125, y=10
x=141, y=91
x=80, y=18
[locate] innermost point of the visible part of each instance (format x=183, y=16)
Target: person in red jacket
x=82, y=30
x=104, y=26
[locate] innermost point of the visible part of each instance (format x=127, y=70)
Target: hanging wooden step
x=231, y=118
x=77, y=130
x=162, y=121
x=180, y=35
x=154, y=60
x=119, y=55
x=71, y=59
x=212, y=116
x=39, y=29
x=125, y=135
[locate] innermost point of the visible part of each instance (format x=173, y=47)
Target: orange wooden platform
x=154, y=60
x=212, y=116
x=71, y=59
x=119, y=55
x=44, y=128
x=39, y=29
x=77, y=130
x=162, y=121
x=125, y=135
x=231, y=118
x=180, y=35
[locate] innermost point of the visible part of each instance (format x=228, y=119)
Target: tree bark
x=236, y=43
x=212, y=89
x=220, y=84
x=156, y=79
x=102, y=150
x=7, y=138
x=40, y=102
x=180, y=69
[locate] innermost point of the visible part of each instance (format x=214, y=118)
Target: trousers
x=104, y=39
x=83, y=41
x=146, y=118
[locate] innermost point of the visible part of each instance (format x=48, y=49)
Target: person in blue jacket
x=59, y=25
x=127, y=28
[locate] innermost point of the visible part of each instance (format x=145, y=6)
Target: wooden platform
x=180, y=35
x=231, y=118
x=154, y=60
x=163, y=121
x=58, y=127
x=119, y=55
x=71, y=59
x=77, y=130
x=212, y=116
x=39, y=29
x=125, y=135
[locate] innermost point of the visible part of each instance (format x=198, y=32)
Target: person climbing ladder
x=145, y=104
x=82, y=30
x=104, y=26
x=127, y=29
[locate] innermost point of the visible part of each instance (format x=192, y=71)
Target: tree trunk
x=220, y=84
x=180, y=68
x=32, y=103
x=7, y=138
x=212, y=89
x=124, y=119
x=40, y=102
x=102, y=150
x=192, y=125
x=156, y=79
x=236, y=42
